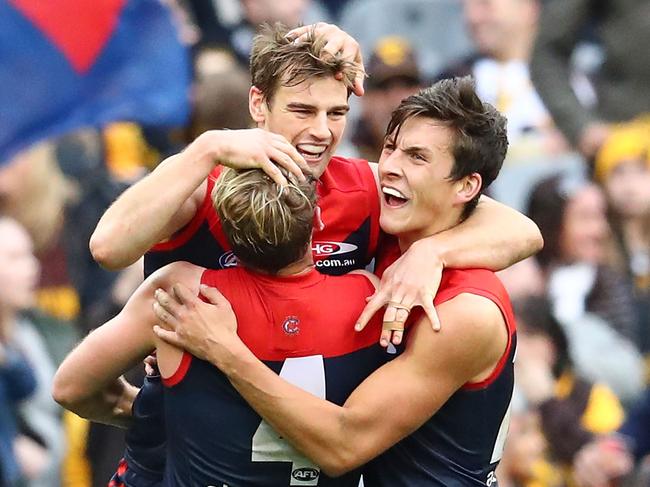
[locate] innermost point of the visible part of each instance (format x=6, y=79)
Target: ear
x=469, y=187
x=257, y=105
x=318, y=221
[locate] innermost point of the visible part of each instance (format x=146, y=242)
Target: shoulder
x=170, y=274
x=477, y=281
x=374, y=280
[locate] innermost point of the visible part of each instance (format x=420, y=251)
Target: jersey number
x=308, y=373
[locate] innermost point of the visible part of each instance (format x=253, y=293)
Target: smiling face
x=311, y=115
x=419, y=197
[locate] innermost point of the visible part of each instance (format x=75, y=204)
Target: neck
x=305, y=264
x=407, y=239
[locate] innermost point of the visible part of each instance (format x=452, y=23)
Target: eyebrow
x=305, y=106
x=418, y=149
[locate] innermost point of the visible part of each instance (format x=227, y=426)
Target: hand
x=601, y=461
x=121, y=395
x=412, y=280
x=253, y=148
x=203, y=329
x=338, y=42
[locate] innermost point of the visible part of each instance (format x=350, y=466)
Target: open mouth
x=311, y=152
x=393, y=197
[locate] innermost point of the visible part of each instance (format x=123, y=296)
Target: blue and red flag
x=66, y=64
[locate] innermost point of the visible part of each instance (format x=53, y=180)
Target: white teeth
x=393, y=192
x=316, y=150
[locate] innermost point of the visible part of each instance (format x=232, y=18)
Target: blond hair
x=278, y=61
x=268, y=226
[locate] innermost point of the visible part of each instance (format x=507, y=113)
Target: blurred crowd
x=573, y=79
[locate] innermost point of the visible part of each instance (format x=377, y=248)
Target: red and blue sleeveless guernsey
x=302, y=328
x=462, y=443
x=349, y=203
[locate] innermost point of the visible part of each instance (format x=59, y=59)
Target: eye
x=418, y=157
x=337, y=114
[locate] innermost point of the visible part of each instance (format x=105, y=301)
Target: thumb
x=213, y=295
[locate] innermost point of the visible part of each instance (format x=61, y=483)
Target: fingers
x=183, y=295
x=430, y=311
x=391, y=332
x=167, y=336
x=283, y=160
x=298, y=32
x=374, y=304
x=214, y=296
x=280, y=142
x=164, y=317
x=273, y=172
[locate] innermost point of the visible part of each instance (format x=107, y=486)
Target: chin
x=391, y=226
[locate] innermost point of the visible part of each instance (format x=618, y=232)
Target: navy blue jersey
x=349, y=203
x=462, y=443
x=214, y=436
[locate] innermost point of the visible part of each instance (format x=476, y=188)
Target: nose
x=389, y=164
x=319, y=128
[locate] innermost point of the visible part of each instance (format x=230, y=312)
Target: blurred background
x=95, y=94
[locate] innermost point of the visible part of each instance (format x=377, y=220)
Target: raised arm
x=90, y=373
x=164, y=201
x=390, y=404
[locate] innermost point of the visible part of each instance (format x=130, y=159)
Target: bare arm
x=166, y=200
x=151, y=210
x=88, y=377
x=494, y=237
x=413, y=386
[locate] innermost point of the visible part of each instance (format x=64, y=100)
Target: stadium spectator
x=622, y=167
x=622, y=83
x=393, y=74
x=591, y=299
x=503, y=32
x=18, y=280
x=572, y=410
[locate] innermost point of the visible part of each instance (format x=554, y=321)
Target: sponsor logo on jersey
x=305, y=474
x=228, y=260
x=326, y=249
x=290, y=325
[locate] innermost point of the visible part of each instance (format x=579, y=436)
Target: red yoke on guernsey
x=349, y=203
x=302, y=328
x=462, y=443
x=350, y=210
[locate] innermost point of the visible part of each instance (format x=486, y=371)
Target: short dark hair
x=481, y=142
x=267, y=226
x=278, y=61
